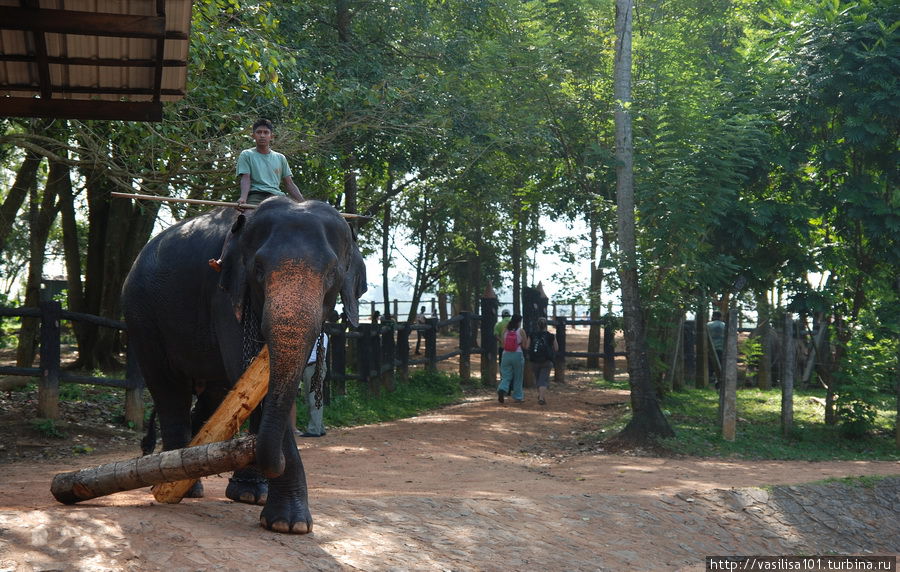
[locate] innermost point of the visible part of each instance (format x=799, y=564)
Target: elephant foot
x=195, y=492
x=249, y=487
x=286, y=515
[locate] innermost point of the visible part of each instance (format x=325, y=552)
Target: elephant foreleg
x=287, y=508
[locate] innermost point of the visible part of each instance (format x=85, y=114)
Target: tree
x=647, y=420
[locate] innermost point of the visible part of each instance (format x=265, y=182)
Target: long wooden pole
x=138, y=197
x=237, y=406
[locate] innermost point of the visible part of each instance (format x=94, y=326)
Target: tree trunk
x=41, y=216
x=595, y=307
x=516, y=255
x=72, y=251
x=763, y=331
x=787, y=377
x=386, y=257
x=647, y=418
x=117, y=232
x=25, y=183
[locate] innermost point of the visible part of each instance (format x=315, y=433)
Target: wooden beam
x=61, y=90
x=80, y=109
x=82, y=23
x=100, y=62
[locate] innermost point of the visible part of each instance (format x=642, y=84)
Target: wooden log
x=189, y=463
x=225, y=421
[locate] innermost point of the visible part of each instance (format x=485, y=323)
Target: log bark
x=189, y=463
x=224, y=422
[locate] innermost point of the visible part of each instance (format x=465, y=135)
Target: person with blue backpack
x=542, y=349
x=512, y=364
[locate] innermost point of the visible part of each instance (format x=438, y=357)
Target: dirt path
x=475, y=486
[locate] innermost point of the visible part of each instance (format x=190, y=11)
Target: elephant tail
x=148, y=443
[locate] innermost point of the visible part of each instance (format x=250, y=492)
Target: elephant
x=193, y=330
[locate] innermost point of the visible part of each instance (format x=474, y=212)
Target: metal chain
x=318, y=379
x=251, y=336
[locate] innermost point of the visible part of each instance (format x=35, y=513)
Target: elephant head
x=288, y=262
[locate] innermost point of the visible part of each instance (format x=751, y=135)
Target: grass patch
x=424, y=391
x=693, y=414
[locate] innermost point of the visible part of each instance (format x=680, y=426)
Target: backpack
x=541, y=349
x=511, y=341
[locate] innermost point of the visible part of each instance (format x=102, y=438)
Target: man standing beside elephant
x=313, y=387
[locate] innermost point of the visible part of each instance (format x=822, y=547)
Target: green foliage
x=48, y=428
x=751, y=350
x=693, y=414
x=866, y=373
x=423, y=391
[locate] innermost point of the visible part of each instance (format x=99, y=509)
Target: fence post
x=559, y=364
x=134, y=392
x=489, y=306
x=48, y=388
x=403, y=351
x=367, y=354
x=337, y=349
x=388, y=351
x=787, y=378
x=431, y=344
x=465, y=346
x=609, y=349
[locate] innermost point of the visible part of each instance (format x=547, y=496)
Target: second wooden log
x=188, y=463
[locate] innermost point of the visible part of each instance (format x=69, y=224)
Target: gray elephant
x=194, y=330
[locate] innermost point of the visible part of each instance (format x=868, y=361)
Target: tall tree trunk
x=516, y=256
x=72, y=254
x=647, y=418
x=118, y=230
x=386, y=258
x=762, y=332
x=25, y=183
x=42, y=213
x=595, y=307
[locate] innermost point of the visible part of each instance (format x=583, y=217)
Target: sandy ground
x=474, y=486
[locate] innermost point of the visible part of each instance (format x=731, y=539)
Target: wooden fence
x=50, y=373
x=375, y=355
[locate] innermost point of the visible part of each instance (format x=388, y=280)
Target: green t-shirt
x=500, y=327
x=266, y=170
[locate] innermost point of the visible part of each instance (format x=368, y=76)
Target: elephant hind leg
x=248, y=486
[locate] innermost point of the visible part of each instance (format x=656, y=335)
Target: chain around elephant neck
x=251, y=341
x=318, y=381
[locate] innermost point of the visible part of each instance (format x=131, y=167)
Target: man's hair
x=263, y=123
x=716, y=315
x=505, y=313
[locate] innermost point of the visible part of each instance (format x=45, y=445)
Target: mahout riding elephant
x=194, y=330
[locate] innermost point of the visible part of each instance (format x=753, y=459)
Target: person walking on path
x=512, y=365
x=498, y=333
x=715, y=329
x=420, y=319
x=543, y=348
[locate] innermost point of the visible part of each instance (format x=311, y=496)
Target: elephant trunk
x=291, y=323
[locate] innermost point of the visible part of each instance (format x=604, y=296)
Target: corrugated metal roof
x=92, y=59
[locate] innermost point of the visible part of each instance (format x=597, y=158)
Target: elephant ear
x=233, y=279
x=354, y=286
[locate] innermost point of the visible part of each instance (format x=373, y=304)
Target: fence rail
x=50, y=373
x=372, y=354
